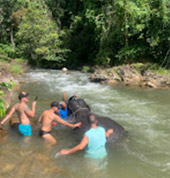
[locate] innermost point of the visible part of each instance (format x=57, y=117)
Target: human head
x=62, y=105
x=54, y=106
x=92, y=119
x=23, y=96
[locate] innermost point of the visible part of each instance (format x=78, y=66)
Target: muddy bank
x=131, y=75
x=5, y=76
x=8, y=75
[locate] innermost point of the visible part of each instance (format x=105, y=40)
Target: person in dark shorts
x=47, y=118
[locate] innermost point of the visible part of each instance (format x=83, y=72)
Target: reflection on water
x=143, y=112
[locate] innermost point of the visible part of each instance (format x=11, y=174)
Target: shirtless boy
x=46, y=119
x=23, y=112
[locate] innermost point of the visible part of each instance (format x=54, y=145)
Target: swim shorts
x=25, y=130
x=41, y=133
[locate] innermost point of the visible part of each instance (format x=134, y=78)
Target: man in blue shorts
x=94, y=140
x=24, y=113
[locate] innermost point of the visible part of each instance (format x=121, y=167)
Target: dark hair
x=54, y=104
x=22, y=95
x=92, y=119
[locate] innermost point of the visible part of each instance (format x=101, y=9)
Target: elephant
x=80, y=110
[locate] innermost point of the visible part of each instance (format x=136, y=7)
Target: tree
x=75, y=33
x=38, y=37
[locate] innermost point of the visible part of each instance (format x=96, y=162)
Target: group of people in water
x=94, y=139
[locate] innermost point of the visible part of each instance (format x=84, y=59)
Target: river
x=144, y=113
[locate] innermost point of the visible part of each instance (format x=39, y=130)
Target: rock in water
x=64, y=69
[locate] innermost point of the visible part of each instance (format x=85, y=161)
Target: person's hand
x=36, y=98
x=54, y=124
x=78, y=124
x=110, y=131
x=34, y=103
x=64, y=152
x=0, y=125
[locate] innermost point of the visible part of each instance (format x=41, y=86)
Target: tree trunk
x=126, y=28
x=59, y=25
x=12, y=38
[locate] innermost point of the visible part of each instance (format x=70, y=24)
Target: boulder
x=150, y=84
x=64, y=69
x=112, y=82
x=130, y=76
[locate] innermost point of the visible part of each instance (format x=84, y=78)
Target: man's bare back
x=22, y=109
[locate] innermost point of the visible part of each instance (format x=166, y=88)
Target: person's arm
x=8, y=116
x=40, y=118
x=30, y=113
x=109, y=132
x=79, y=147
x=64, y=97
x=61, y=121
x=72, y=97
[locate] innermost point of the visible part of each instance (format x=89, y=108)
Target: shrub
x=87, y=69
x=16, y=69
x=2, y=94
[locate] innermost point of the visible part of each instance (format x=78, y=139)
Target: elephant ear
x=73, y=105
x=83, y=104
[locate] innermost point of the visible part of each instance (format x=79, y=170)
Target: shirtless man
x=46, y=119
x=23, y=112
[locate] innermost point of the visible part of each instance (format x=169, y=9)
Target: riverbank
x=9, y=70
x=138, y=74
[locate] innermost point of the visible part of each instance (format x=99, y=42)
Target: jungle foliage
x=4, y=86
x=73, y=33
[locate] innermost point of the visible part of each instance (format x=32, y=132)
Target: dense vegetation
x=4, y=86
x=73, y=33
